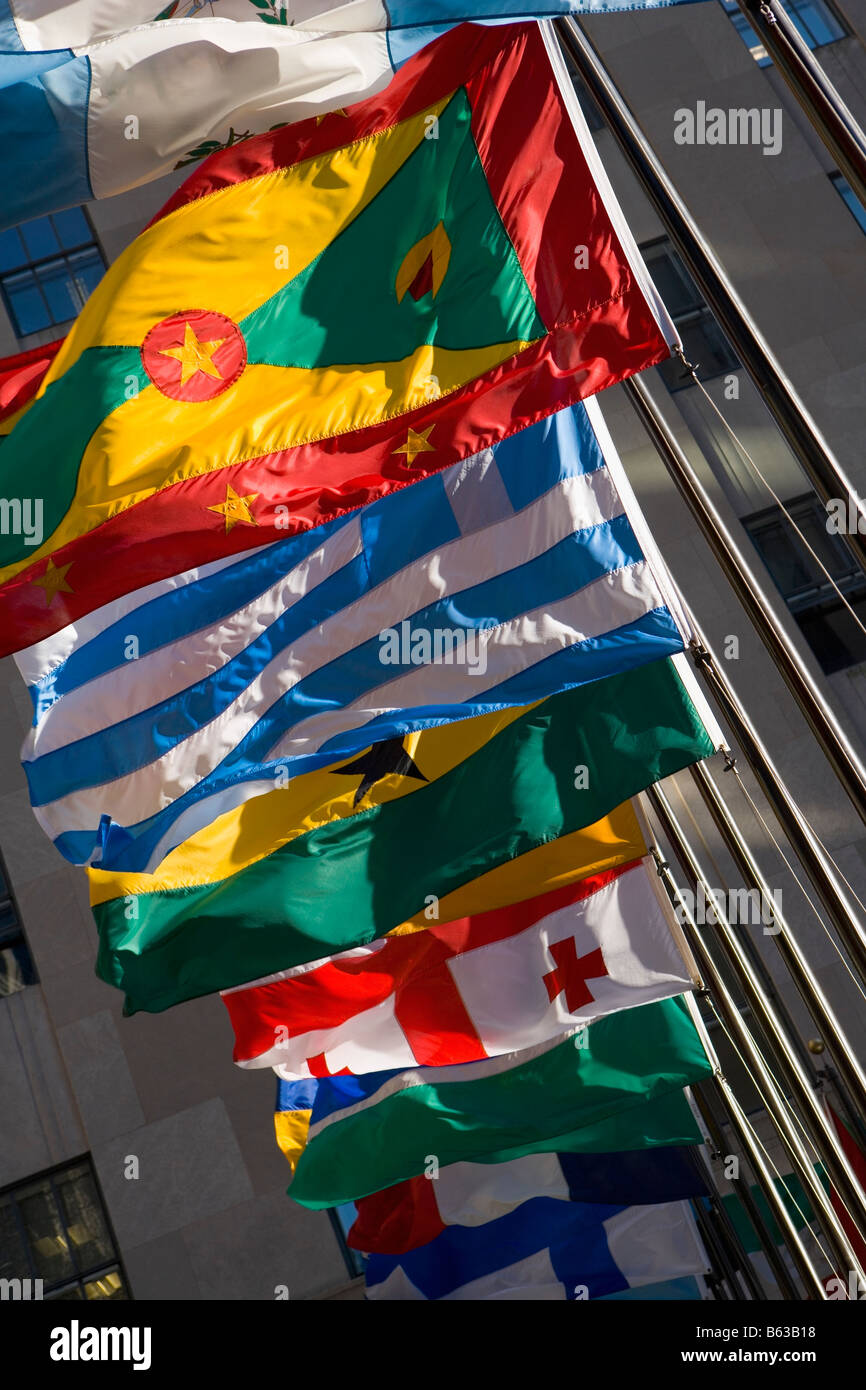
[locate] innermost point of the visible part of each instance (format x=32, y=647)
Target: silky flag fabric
x=321, y=316
x=545, y=1249
x=415, y=1212
x=199, y=79
x=20, y=379
x=369, y=1132
x=507, y=577
x=288, y=878
x=461, y=991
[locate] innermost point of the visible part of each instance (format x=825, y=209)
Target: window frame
x=32, y=265
x=55, y=1291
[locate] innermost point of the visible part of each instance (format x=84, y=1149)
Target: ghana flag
x=325, y=314
x=306, y=870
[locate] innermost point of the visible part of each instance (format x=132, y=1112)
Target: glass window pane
x=13, y=1251
x=71, y=227
x=16, y=969
x=674, y=284
x=39, y=238
x=60, y=291
x=88, y=269
x=45, y=1234
x=73, y=1293
x=12, y=253
x=88, y=1235
x=26, y=305
x=108, y=1285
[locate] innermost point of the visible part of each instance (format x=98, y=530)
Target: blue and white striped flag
x=99, y=96
x=547, y=1249
x=515, y=574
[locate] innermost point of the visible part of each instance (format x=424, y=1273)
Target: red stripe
x=21, y=376
x=412, y=968
x=602, y=331
x=400, y=1218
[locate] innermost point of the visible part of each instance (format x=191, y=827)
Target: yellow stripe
x=251, y=832
x=228, y=250
x=149, y=443
x=613, y=840
x=292, y=1128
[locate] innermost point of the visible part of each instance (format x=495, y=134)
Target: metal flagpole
x=814, y=92
x=723, y=1272
x=788, y=410
x=742, y=1129
x=820, y=1130
x=834, y=899
x=816, y=711
x=741, y=1187
x=726, y=1232
x=810, y=989
x=836, y=902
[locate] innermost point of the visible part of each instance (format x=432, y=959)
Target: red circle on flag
x=194, y=355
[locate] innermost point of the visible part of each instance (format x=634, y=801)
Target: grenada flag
x=322, y=315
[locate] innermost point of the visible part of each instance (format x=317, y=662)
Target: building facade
x=135, y=1160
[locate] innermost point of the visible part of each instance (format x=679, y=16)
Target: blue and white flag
x=547, y=1249
x=518, y=573
x=99, y=96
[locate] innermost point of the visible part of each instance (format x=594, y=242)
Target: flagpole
x=812, y=1281
x=838, y=1169
x=835, y=744
x=741, y=1187
x=723, y=1271
x=810, y=990
x=837, y=904
x=815, y=94
x=726, y=1234
x=800, y=431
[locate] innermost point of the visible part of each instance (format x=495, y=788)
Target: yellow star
x=194, y=356
x=325, y=114
x=235, y=508
x=53, y=581
x=416, y=444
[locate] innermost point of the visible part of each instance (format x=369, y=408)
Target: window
x=826, y=624
x=16, y=967
x=55, y=1228
x=704, y=344
x=342, y=1218
x=850, y=199
x=48, y=267
x=817, y=22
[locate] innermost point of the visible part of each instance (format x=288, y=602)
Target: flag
x=20, y=379
x=665, y=1123
x=289, y=877
x=369, y=1132
x=415, y=1212
x=78, y=70
x=319, y=317
x=461, y=991
x=545, y=1249
x=857, y=1159
x=505, y=578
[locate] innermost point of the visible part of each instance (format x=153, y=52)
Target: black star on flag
x=381, y=760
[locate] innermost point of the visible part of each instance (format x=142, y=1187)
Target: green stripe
x=352, y=880
x=42, y=455
x=630, y=1058
x=342, y=308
